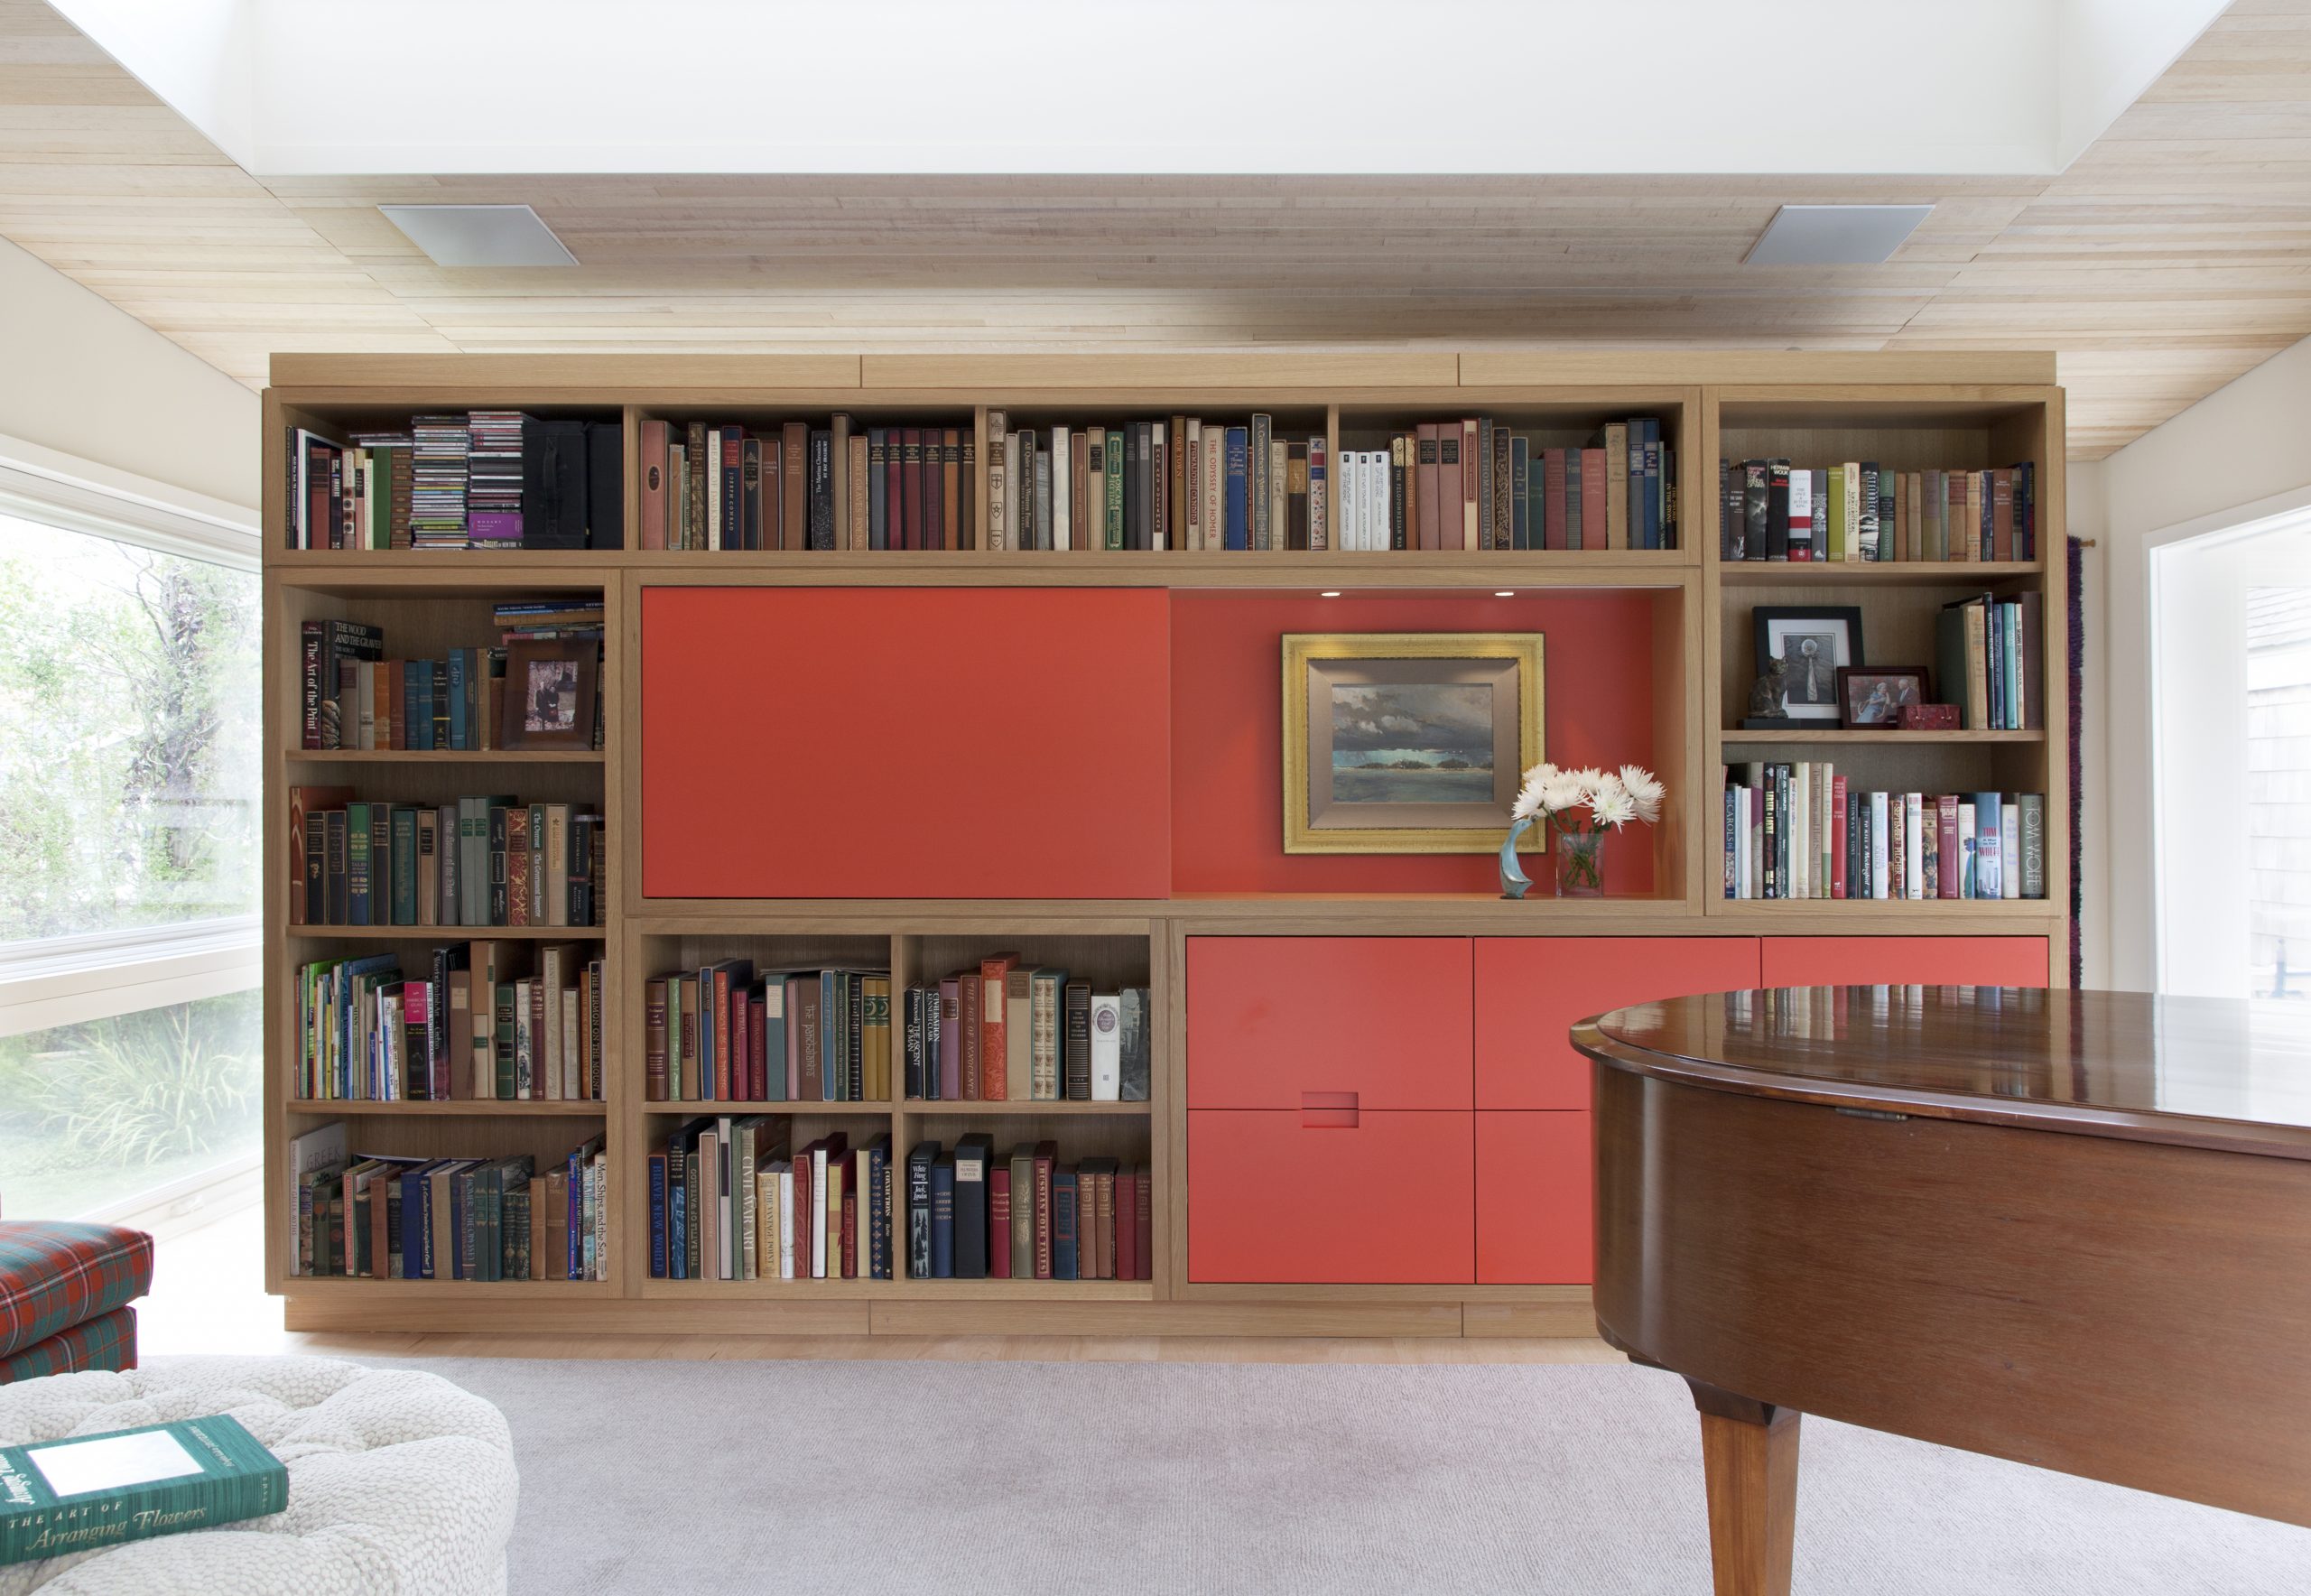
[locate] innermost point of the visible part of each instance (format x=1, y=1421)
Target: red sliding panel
x=1533, y=1200
x=1530, y=991
x=906, y=742
x=1371, y=1022
x=1330, y=1197
x=1912, y=961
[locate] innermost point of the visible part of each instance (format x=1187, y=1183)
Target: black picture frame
x=1814, y=698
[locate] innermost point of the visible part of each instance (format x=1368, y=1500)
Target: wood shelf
x=1952, y=573
x=1732, y=737
x=925, y=1108
x=454, y=1108
x=1954, y=411
x=676, y=1110
x=420, y=756
x=449, y=933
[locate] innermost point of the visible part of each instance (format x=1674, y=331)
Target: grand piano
x=2068, y=1229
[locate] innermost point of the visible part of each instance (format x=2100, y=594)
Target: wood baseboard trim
x=1564, y=1311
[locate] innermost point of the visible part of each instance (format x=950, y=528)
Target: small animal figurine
x=1766, y=691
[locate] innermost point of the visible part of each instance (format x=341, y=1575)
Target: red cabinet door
x=1533, y=1199
x=906, y=742
x=1274, y=1198
x=1530, y=991
x=1905, y=961
x=1364, y=1022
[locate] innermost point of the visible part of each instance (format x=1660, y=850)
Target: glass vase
x=1580, y=864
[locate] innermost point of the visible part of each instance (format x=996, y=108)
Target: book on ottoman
x=89, y=1491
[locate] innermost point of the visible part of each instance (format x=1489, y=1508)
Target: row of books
x=384, y=1217
x=485, y=1021
x=352, y=697
x=733, y=1199
x=1479, y=485
x=483, y=479
x=1798, y=830
x=713, y=486
x=1194, y=484
x=972, y=1216
x=1008, y=1031
x=480, y=861
x=1991, y=659
x=727, y=1033
x=1859, y=511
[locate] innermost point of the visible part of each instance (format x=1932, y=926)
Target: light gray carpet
x=1118, y=1479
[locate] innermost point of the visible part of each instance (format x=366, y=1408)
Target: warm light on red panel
x=1228, y=730
x=906, y=742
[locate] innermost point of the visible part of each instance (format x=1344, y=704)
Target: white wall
x=88, y=380
x=2239, y=454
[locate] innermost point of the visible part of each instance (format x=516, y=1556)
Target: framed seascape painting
x=1407, y=742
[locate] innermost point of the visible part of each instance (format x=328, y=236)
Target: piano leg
x=1748, y=1452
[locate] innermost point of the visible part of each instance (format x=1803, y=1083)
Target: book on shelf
x=728, y=1032
x=477, y=861
x=85, y=1493
x=1855, y=511
x=973, y=1214
x=387, y=1217
x=484, y=479
x=1802, y=830
x=1989, y=659
x=1478, y=484
x=352, y=697
x=740, y=1198
x=371, y=1030
x=1005, y=1031
x=798, y=486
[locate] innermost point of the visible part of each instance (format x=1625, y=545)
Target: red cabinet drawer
x=1905, y=961
x=1271, y=1019
x=906, y=742
x=1531, y=990
x=1274, y=1200
x=1533, y=1200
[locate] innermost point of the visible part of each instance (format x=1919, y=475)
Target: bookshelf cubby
x=1649, y=658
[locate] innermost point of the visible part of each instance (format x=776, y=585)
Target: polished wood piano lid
x=2193, y=1072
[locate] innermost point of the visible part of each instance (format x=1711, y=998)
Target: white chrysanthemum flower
x=1528, y=799
x=1646, y=790
x=1614, y=806
x=1563, y=790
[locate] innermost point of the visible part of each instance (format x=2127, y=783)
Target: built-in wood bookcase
x=1679, y=618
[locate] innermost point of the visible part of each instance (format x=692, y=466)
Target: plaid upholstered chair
x=64, y=1296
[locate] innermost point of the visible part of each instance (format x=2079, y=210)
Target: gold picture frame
x=1321, y=669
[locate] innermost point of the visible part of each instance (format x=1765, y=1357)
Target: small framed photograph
x=1815, y=641
x=549, y=687
x=1873, y=697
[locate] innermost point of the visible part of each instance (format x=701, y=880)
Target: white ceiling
x=407, y=86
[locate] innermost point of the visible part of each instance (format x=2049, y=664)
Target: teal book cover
x=91, y=1491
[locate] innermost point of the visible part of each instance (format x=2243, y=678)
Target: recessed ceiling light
x=1505, y=593
x=480, y=235
x=1331, y=594
x=1834, y=235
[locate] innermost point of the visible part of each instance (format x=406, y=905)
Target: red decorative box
x=1929, y=717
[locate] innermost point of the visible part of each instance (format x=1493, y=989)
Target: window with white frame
x=130, y=829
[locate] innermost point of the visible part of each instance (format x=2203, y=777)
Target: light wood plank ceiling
x=2167, y=260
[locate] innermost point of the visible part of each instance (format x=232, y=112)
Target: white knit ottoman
x=398, y=1480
